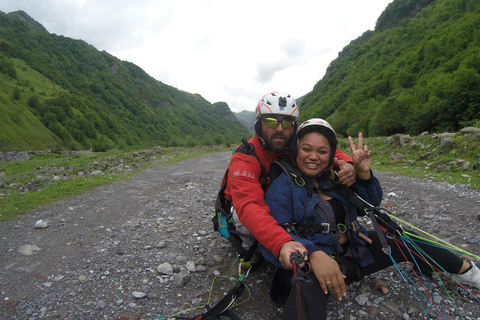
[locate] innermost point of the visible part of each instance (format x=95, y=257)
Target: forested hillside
x=61, y=93
x=417, y=71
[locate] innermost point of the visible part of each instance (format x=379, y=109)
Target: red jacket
x=245, y=189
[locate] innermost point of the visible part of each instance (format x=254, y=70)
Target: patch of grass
x=427, y=160
x=37, y=174
x=470, y=179
x=18, y=202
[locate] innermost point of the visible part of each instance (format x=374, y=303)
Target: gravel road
x=145, y=248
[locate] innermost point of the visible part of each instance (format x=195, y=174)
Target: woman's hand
x=286, y=251
x=328, y=273
x=361, y=158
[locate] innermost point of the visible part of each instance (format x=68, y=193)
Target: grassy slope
x=18, y=123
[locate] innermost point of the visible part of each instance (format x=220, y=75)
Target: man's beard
x=277, y=147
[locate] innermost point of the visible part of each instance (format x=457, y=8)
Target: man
x=275, y=126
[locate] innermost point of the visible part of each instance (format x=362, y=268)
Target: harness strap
x=381, y=235
x=321, y=228
x=222, y=307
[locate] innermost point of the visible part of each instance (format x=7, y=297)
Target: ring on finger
x=328, y=281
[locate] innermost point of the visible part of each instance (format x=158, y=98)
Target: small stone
x=28, y=250
x=58, y=278
x=165, y=268
x=190, y=265
x=380, y=285
x=201, y=268
x=181, y=278
x=40, y=224
x=96, y=173
x=371, y=310
x=362, y=299
x=139, y=295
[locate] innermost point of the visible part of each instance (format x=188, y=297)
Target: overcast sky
x=231, y=51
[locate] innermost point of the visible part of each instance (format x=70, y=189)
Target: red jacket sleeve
x=245, y=189
x=343, y=156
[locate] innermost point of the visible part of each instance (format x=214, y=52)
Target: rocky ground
x=145, y=249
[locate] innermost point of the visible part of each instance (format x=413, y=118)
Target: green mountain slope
x=247, y=118
x=76, y=97
x=418, y=71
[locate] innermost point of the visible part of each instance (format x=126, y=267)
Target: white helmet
x=277, y=104
x=314, y=122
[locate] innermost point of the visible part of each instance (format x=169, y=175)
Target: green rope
x=446, y=244
x=210, y=297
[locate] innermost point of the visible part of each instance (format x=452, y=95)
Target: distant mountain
x=419, y=70
x=247, y=118
x=61, y=93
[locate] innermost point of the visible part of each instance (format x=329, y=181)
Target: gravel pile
x=145, y=248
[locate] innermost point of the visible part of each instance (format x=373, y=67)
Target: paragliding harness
x=223, y=223
x=381, y=220
x=223, y=218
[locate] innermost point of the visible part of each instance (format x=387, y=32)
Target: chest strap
x=304, y=231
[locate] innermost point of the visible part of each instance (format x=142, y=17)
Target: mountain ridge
x=86, y=98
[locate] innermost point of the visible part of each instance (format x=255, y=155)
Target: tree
x=16, y=94
x=33, y=102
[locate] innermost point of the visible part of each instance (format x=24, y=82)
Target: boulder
x=446, y=143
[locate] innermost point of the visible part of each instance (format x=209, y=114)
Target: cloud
x=224, y=50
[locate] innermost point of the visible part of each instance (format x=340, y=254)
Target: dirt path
x=98, y=257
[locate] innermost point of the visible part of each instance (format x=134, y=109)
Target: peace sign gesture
x=361, y=158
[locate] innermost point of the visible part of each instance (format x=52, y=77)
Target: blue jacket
x=287, y=202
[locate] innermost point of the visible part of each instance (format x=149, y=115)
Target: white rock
x=40, y=224
x=139, y=295
x=28, y=250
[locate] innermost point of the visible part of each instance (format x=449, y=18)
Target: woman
x=343, y=250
